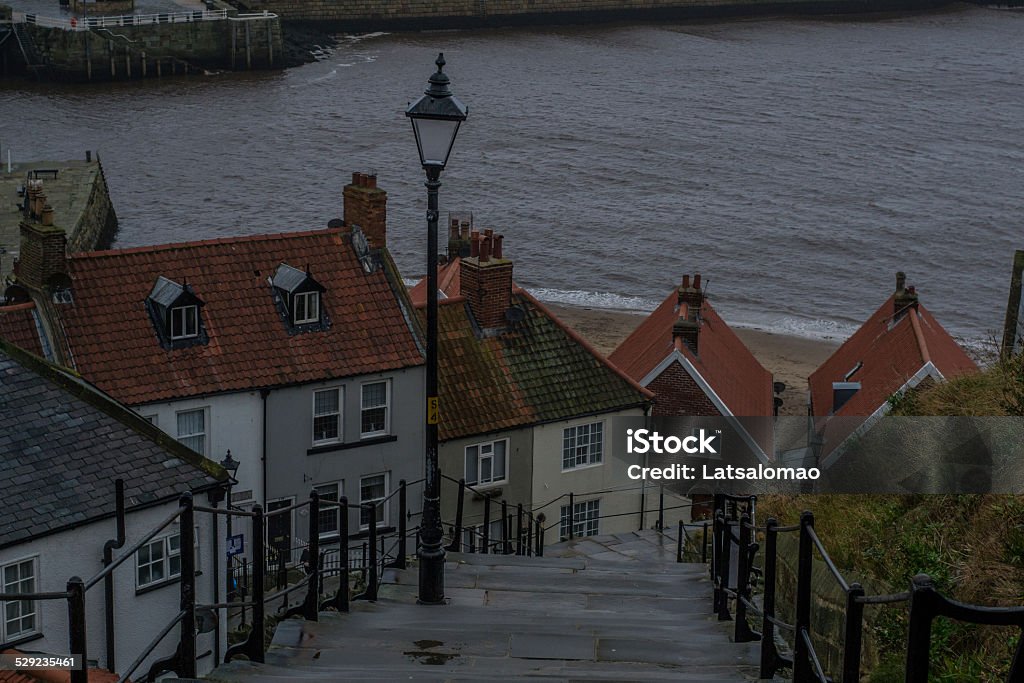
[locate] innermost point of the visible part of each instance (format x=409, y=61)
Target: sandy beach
x=790, y=359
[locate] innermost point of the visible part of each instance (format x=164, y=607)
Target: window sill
x=488, y=490
x=157, y=586
x=582, y=467
x=21, y=640
x=340, y=446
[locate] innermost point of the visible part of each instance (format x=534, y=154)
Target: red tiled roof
x=449, y=282
x=18, y=326
x=890, y=357
x=724, y=361
x=540, y=371
x=113, y=344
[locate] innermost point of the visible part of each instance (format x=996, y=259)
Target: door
x=279, y=532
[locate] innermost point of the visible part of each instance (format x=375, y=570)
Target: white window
x=192, y=429
x=160, y=560
x=373, y=489
x=585, y=517
x=328, y=522
x=485, y=462
x=184, y=322
x=374, y=417
x=582, y=445
x=306, y=308
x=21, y=617
x=327, y=415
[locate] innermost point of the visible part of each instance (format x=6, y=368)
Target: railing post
x=456, y=544
x=919, y=632
x=519, y=529
x=341, y=597
x=506, y=545
x=725, y=570
x=188, y=588
x=256, y=649
x=769, y=655
x=540, y=535
x=716, y=559
x=661, y=508
x=529, y=535
x=311, y=608
x=487, y=524
x=76, y=628
x=854, y=634
x=370, y=593
x=704, y=545
x=572, y=507
x=679, y=543
x=802, y=670
x=742, y=632
x=403, y=529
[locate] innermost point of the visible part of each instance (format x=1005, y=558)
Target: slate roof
x=64, y=443
x=724, y=361
x=539, y=371
x=891, y=355
x=18, y=326
x=113, y=343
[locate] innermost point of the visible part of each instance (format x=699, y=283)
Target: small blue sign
x=236, y=545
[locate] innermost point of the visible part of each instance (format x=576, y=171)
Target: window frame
x=165, y=561
x=36, y=613
x=205, y=411
x=580, y=520
x=194, y=309
x=339, y=415
x=339, y=487
x=387, y=409
x=306, y=297
x=477, y=479
x=387, y=491
x=591, y=460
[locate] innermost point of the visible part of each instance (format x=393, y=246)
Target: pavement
x=605, y=608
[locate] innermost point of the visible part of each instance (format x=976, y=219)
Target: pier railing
x=736, y=534
x=89, y=23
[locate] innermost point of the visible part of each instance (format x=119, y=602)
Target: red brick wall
x=488, y=289
x=366, y=206
x=677, y=394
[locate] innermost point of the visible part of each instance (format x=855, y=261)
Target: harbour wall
x=372, y=15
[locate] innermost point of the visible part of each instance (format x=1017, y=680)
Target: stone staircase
x=603, y=608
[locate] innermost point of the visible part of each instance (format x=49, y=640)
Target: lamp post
x=435, y=117
x=231, y=465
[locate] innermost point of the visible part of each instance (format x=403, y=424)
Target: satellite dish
x=362, y=249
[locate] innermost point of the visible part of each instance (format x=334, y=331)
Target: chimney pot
x=464, y=234
x=488, y=232
x=355, y=178
x=47, y=218
x=901, y=281
x=696, y=281
x=485, y=249
x=474, y=244
x=686, y=281
x=497, y=245
x=371, y=180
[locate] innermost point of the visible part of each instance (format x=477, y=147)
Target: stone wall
x=159, y=49
x=97, y=225
x=356, y=15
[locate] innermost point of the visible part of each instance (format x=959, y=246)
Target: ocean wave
x=606, y=300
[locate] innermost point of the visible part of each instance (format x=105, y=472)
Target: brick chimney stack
x=686, y=329
x=366, y=206
x=486, y=280
x=43, y=247
x=904, y=297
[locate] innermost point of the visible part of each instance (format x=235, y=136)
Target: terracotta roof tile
x=113, y=343
x=724, y=361
x=18, y=326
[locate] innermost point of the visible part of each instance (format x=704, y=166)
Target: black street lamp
x=435, y=121
x=231, y=465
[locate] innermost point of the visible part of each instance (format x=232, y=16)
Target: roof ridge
x=262, y=237
x=922, y=345
x=575, y=336
x=10, y=308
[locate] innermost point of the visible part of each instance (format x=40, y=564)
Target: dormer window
x=175, y=312
x=299, y=300
x=306, y=308
x=184, y=322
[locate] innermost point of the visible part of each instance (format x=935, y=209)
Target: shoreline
x=790, y=359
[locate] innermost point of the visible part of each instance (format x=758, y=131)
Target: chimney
x=458, y=239
x=366, y=206
x=691, y=294
x=486, y=280
x=43, y=251
x=904, y=297
x=686, y=328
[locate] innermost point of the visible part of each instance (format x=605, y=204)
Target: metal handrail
x=828, y=560
x=814, y=658
x=124, y=677
x=132, y=549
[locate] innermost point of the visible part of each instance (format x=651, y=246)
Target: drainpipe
x=264, y=392
x=108, y=581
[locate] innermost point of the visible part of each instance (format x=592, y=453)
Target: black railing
x=735, y=534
